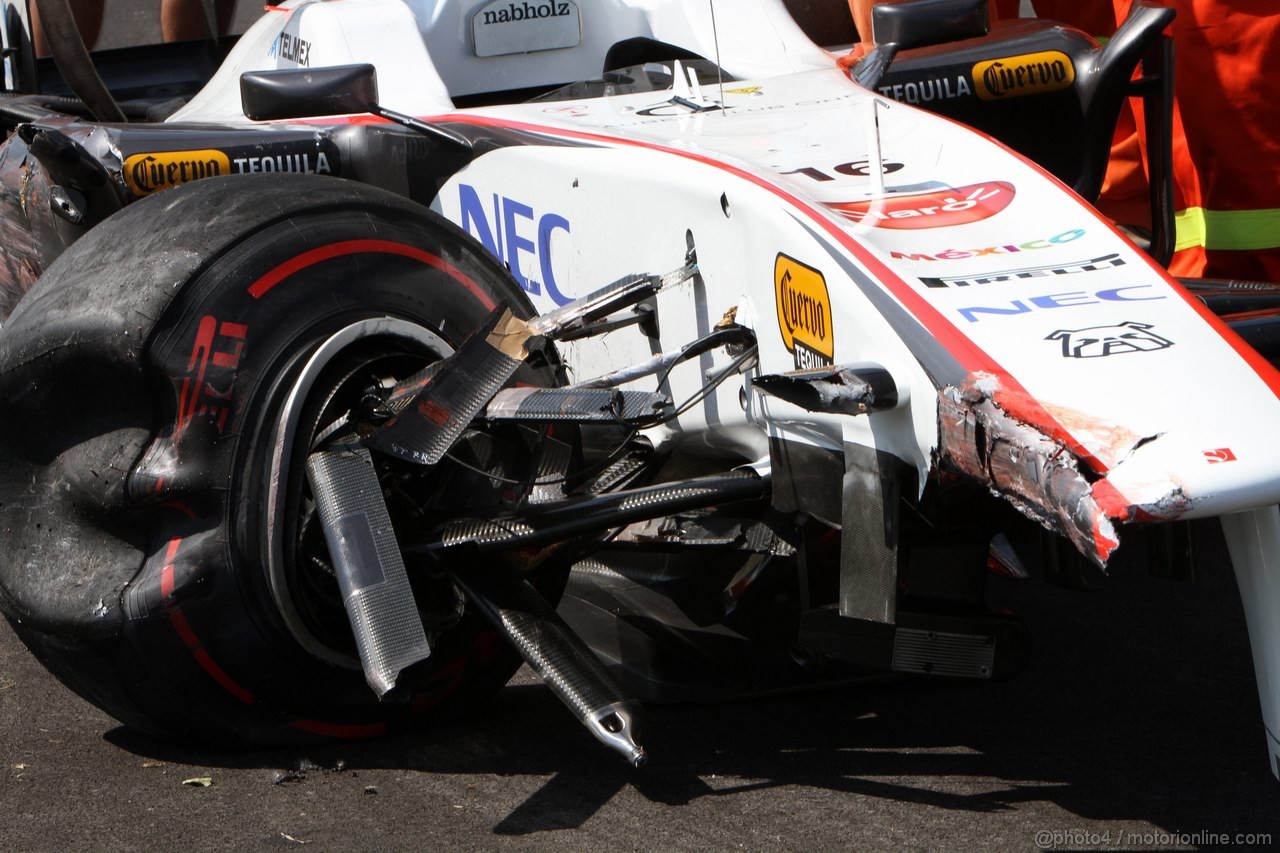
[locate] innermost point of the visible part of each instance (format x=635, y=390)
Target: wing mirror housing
x=303, y=92
x=288, y=93
x=905, y=24
x=919, y=23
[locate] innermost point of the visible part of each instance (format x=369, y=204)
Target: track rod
x=553, y=522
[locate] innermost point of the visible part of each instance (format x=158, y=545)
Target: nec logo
x=1059, y=300
x=514, y=232
x=1105, y=341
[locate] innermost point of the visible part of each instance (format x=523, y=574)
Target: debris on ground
x=303, y=768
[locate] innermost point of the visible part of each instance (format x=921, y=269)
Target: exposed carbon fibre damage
x=1034, y=472
x=1172, y=504
x=24, y=213
x=1040, y=475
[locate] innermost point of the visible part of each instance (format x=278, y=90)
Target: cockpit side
x=434, y=55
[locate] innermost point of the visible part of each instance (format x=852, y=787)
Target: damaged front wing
x=981, y=436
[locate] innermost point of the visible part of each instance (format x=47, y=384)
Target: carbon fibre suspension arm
x=431, y=411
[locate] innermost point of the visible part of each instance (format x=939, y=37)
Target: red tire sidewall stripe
x=354, y=247
x=178, y=620
x=346, y=731
x=257, y=290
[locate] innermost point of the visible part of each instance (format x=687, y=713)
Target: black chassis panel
x=100, y=168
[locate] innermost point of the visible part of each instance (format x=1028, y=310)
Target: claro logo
x=149, y=173
x=1028, y=74
x=935, y=209
x=804, y=313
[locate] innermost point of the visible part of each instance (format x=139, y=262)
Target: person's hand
x=854, y=56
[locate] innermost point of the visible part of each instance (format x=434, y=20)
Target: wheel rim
x=303, y=393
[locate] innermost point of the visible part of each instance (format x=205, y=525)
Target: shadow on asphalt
x=1139, y=705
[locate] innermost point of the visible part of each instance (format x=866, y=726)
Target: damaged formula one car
x=419, y=318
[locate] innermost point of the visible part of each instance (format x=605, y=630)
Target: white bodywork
x=993, y=278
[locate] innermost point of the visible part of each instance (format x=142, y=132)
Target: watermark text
x=1116, y=839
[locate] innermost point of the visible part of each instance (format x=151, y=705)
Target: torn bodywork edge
x=1039, y=475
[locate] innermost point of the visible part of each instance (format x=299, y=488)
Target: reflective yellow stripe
x=1228, y=229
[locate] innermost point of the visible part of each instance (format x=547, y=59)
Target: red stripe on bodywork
x=1263, y=368
x=1013, y=398
x=1110, y=500
x=354, y=247
x=1115, y=505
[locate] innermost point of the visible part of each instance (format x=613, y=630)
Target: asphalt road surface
x=1138, y=715
x=1136, y=727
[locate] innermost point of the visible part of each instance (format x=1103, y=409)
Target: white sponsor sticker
x=524, y=26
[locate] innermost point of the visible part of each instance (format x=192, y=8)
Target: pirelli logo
x=1027, y=74
x=149, y=173
x=804, y=313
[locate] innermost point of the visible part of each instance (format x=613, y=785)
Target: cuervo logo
x=1028, y=74
x=804, y=313
x=151, y=172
